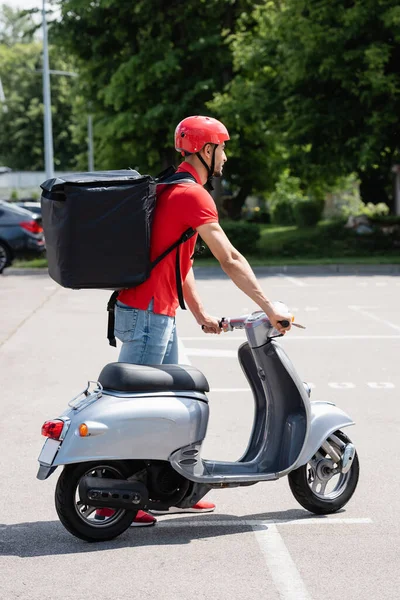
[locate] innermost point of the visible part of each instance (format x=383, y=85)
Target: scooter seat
x=125, y=377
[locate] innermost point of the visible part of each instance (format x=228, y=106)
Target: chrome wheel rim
x=86, y=512
x=324, y=477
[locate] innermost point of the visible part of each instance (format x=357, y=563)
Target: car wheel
x=5, y=257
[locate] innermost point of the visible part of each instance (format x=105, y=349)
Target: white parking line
x=294, y=337
x=298, y=282
x=380, y=385
x=230, y=390
x=211, y=353
x=365, y=313
x=341, y=385
x=281, y=566
x=188, y=521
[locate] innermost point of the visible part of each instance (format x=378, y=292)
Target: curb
x=353, y=269
x=14, y=271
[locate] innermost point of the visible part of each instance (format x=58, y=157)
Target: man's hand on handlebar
x=210, y=325
x=281, y=321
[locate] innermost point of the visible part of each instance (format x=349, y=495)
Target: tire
x=302, y=479
x=77, y=518
x=5, y=256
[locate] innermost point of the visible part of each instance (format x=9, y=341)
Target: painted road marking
x=298, y=282
x=383, y=385
x=230, y=390
x=281, y=566
x=365, y=313
x=211, y=353
x=183, y=358
x=296, y=337
x=344, y=385
x=189, y=521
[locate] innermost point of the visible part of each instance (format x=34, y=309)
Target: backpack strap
x=111, y=318
x=168, y=177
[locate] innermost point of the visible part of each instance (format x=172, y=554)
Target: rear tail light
x=52, y=429
x=32, y=226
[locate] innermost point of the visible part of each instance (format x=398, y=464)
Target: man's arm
x=239, y=270
x=196, y=307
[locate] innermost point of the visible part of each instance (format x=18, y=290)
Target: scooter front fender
x=326, y=418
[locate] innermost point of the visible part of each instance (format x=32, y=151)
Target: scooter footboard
x=326, y=418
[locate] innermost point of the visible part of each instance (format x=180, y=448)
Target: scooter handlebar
x=238, y=323
x=284, y=323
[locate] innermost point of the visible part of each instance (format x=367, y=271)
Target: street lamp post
x=90, y=144
x=48, y=129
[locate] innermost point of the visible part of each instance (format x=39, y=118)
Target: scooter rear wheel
x=78, y=518
x=319, y=489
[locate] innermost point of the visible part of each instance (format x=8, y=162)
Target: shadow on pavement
x=49, y=538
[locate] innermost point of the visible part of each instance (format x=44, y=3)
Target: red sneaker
x=200, y=507
x=102, y=513
x=142, y=519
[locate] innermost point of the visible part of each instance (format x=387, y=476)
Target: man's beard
x=218, y=173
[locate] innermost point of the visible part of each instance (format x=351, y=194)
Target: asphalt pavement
x=259, y=543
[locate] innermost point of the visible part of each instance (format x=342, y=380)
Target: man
x=145, y=315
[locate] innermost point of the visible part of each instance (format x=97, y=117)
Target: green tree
x=21, y=116
x=15, y=26
x=323, y=78
x=147, y=65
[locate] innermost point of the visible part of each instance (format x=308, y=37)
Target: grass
x=256, y=261
x=34, y=263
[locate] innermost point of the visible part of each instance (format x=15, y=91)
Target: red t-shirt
x=178, y=207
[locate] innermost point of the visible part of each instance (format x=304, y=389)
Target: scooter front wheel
x=82, y=520
x=320, y=486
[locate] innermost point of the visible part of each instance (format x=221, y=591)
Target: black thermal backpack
x=97, y=228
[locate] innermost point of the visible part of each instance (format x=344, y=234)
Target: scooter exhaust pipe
x=113, y=493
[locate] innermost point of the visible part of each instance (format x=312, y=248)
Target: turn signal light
x=83, y=430
x=52, y=429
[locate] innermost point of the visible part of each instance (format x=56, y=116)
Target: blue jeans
x=147, y=338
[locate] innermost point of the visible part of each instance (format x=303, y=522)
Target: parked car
x=21, y=234
x=30, y=205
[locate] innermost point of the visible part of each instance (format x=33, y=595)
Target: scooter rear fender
x=326, y=418
x=133, y=426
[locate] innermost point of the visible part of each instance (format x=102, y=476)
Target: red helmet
x=193, y=133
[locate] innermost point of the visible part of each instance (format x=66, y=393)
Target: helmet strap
x=210, y=169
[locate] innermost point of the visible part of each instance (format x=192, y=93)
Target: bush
x=282, y=213
x=327, y=240
x=244, y=236
x=375, y=210
x=256, y=215
x=307, y=212
x=286, y=195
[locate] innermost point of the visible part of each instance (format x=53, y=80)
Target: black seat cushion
x=126, y=377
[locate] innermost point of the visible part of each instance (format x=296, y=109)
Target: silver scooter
x=133, y=440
